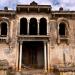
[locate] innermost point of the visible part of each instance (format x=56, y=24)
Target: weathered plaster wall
x=8, y=50
x=61, y=50
x=57, y=51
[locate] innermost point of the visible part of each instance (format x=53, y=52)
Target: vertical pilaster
x=38, y=27
x=58, y=35
x=20, y=61
x=18, y=28
x=28, y=10
x=17, y=57
x=8, y=32
x=0, y=29
x=48, y=49
x=28, y=28
x=48, y=28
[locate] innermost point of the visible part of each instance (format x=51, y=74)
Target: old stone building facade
x=36, y=37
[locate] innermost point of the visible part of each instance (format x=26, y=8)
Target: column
x=48, y=28
x=18, y=28
x=45, y=57
x=0, y=29
x=19, y=9
x=17, y=56
x=38, y=27
x=28, y=10
x=38, y=9
x=28, y=28
x=48, y=47
x=20, y=61
x=58, y=35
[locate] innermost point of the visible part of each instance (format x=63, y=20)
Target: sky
x=56, y=4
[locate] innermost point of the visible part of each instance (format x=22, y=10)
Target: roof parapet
x=33, y=3
x=6, y=8
x=61, y=9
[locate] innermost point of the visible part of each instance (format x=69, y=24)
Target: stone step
x=31, y=72
x=34, y=74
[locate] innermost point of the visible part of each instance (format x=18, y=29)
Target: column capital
x=21, y=42
x=45, y=42
x=28, y=20
x=38, y=20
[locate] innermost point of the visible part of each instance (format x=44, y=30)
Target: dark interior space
x=33, y=54
x=33, y=10
x=43, y=26
x=23, y=26
x=33, y=26
x=3, y=28
x=62, y=29
x=44, y=10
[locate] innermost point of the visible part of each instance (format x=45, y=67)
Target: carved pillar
x=18, y=28
x=8, y=32
x=38, y=9
x=20, y=61
x=48, y=28
x=17, y=56
x=28, y=9
x=45, y=56
x=0, y=29
x=48, y=51
x=18, y=9
x=38, y=27
x=58, y=34
x=28, y=28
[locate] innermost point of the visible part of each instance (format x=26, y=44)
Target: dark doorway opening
x=62, y=28
x=43, y=26
x=23, y=26
x=33, y=26
x=3, y=28
x=33, y=54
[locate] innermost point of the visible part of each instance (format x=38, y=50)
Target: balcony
x=33, y=37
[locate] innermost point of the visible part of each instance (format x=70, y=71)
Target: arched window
x=33, y=26
x=43, y=26
x=62, y=29
x=4, y=28
x=23, y=26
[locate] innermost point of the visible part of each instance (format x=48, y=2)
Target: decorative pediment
x=33, y=3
